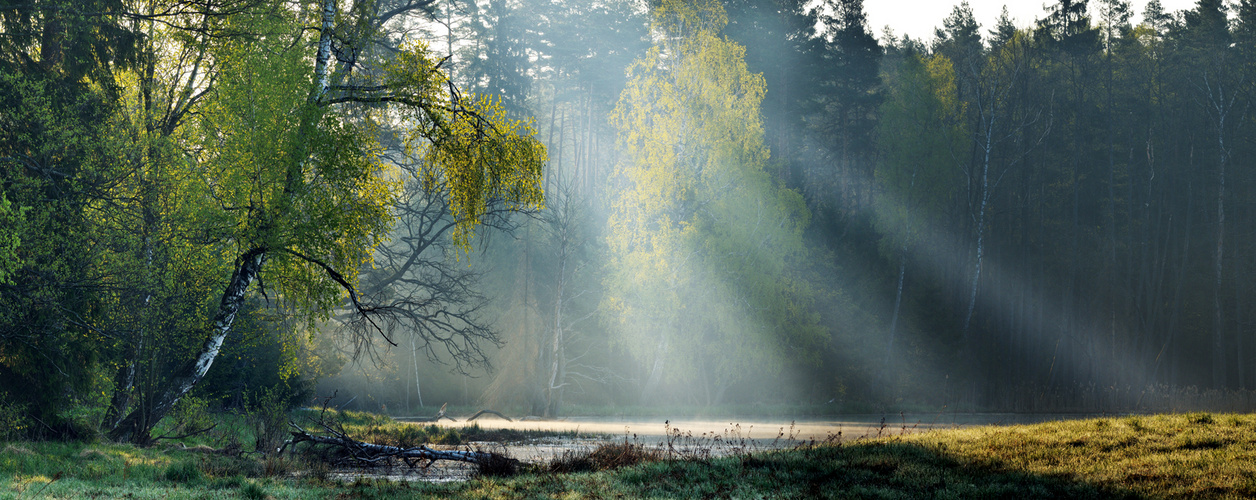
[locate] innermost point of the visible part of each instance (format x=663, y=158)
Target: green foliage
x=482, y=153
x=11, y=219
x=313, y=182
x=13, y=421
x=53, y=159
x=921, y=127
x=189, y=417
x=270, y=352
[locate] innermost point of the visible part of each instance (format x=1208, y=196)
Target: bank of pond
x=1197, y=455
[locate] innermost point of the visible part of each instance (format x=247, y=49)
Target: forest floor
x=1197, y=455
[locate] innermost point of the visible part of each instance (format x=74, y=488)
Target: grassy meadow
x=1163, y=456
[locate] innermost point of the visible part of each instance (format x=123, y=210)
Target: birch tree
x=289, y=156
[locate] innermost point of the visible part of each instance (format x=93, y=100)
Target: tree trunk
x=1218, y=322
x=898, y=302
x=554, y=387
x=981, y=227
x=656, y=371
x=136, y=425
x=414, y=351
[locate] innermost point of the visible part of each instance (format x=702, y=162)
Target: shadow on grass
x=857, y=470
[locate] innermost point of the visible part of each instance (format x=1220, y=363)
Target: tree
x=921, y=123
x=700, y=236
x=55, y=152
x=1218, y=89
x=304, y=197
x=847, y=103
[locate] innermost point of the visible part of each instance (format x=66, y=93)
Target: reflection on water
x=761, y=429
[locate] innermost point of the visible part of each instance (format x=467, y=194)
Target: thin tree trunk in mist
x=554, y=386
x=549, y=141
x=577, y=143
x=902, y=271
x=1218, y=322
x=1240, y=356
x=656, y=371
x=981, y=227
x=1175, y=314
x=414, y=352
x=898, y=302
x=562, y=130
x=1114, y=367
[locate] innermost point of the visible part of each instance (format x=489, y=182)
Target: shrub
x=12, y=421
x=605, y=457
x=269, y=419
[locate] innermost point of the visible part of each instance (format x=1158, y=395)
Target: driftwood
x=481, y=412
x=379, y=454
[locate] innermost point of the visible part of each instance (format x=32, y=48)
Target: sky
x=918, y=18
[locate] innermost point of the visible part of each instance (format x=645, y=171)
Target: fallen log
x=481, y=412
x=379, y=454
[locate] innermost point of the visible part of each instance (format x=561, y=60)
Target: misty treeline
x=534, y=205
x=1047, y=216
x=1017, y=217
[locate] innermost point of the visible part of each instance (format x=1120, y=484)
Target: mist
x=752, y=204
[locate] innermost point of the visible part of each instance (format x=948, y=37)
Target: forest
x=583, y=205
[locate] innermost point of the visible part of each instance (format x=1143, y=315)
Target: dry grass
x=1191, y=455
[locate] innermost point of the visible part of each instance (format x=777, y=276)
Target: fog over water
x=765, y=431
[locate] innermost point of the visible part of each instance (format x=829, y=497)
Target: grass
x=1164, y=456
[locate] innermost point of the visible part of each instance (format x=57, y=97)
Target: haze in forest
x=610, y=207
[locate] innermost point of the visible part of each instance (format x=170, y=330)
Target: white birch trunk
x=322, y=62
x=137, y=423
x=1218, y=336
x=981, y=228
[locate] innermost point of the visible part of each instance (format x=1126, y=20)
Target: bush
x=605, y=457
x=269, y=419
x=13, y=424
x=189, y=417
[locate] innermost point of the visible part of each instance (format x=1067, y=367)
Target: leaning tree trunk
x=136, y=425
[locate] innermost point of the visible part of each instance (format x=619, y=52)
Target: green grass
x=1163, y=456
